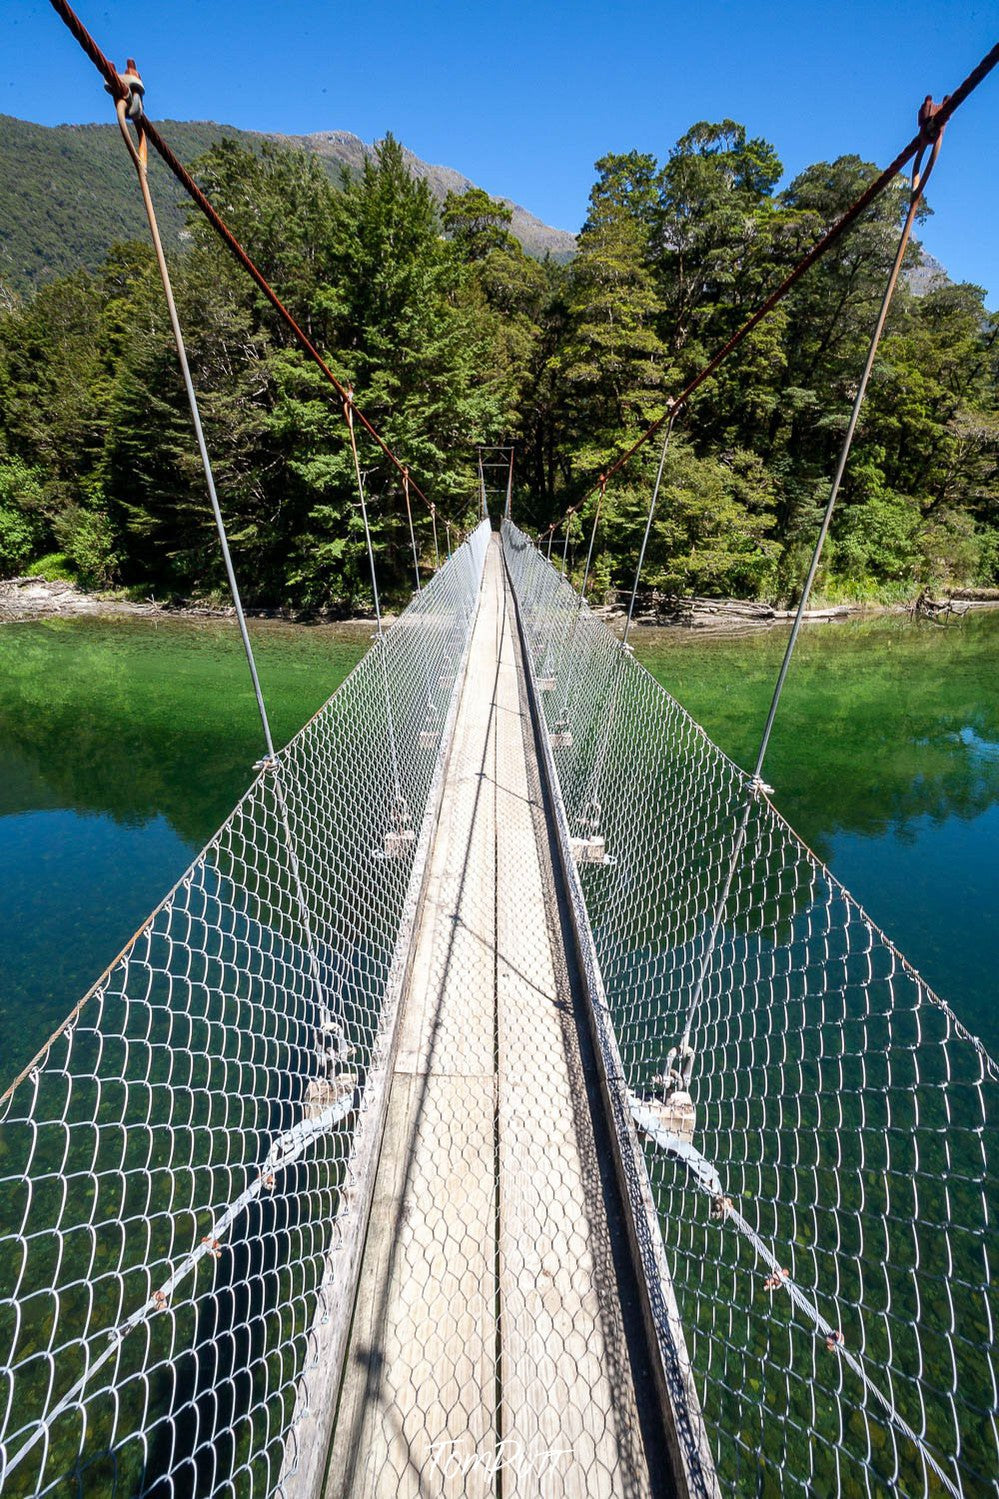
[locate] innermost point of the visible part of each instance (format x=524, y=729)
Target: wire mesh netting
x=177, y=1163
x=817, y=1125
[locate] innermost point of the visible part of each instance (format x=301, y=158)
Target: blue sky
x=523, y=98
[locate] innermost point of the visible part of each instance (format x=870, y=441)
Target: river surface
x=124, y=743
x=885, y=759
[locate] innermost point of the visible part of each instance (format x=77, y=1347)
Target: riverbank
x=736, y=615
x=29, y=598
x=38, y=598
x=26, y=598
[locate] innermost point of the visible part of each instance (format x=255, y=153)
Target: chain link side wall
x=820, y=1152
x=176, y=1165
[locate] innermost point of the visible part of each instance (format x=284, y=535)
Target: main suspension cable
x=121, y=92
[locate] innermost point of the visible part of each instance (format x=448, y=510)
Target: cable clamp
x=759, y=787
x=929, y=128
x=134, y=89
x=267, y=762
x=679, y=1071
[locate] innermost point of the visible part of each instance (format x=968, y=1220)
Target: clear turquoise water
x=885, y=759
x=123, y=745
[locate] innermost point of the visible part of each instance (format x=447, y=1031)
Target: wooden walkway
x=488, y=1352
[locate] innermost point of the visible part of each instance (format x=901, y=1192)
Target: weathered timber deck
x=488, y=1351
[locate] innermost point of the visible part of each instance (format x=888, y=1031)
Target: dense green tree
x=713, y=235
x=450, y=335
x=51, y=363
x=477, y=224
x=22, y=523
x=520, y=308
x=614, y=361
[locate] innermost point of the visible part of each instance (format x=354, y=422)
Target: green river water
x=885, y=760
x=124, y=742
x=123, y=745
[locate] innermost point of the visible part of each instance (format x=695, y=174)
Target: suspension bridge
x=505, y=1101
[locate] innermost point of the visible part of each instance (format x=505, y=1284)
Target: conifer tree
x=614, y=362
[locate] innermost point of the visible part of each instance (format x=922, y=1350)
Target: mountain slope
x=67, y=192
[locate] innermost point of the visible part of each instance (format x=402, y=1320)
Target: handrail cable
x=800, y=956
x=348, y=411
x=330, y=1029
x=705, y=1177
x=285, y=1149
x=755, y=784
x=932, y=119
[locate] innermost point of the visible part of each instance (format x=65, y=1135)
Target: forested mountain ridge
x=67, y=192
x=451, y=335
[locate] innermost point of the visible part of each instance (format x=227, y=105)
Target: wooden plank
x=308, y=1443
x=568, y=1419
x=418, y=1406
x=418, y=1394
x=447, y=1023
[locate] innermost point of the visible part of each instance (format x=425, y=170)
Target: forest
x=452, y=336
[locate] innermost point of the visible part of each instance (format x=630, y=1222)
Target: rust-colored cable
x=120, y=91
x=932, y=119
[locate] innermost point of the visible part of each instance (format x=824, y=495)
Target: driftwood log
x=937, y=610
x=700, y=613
